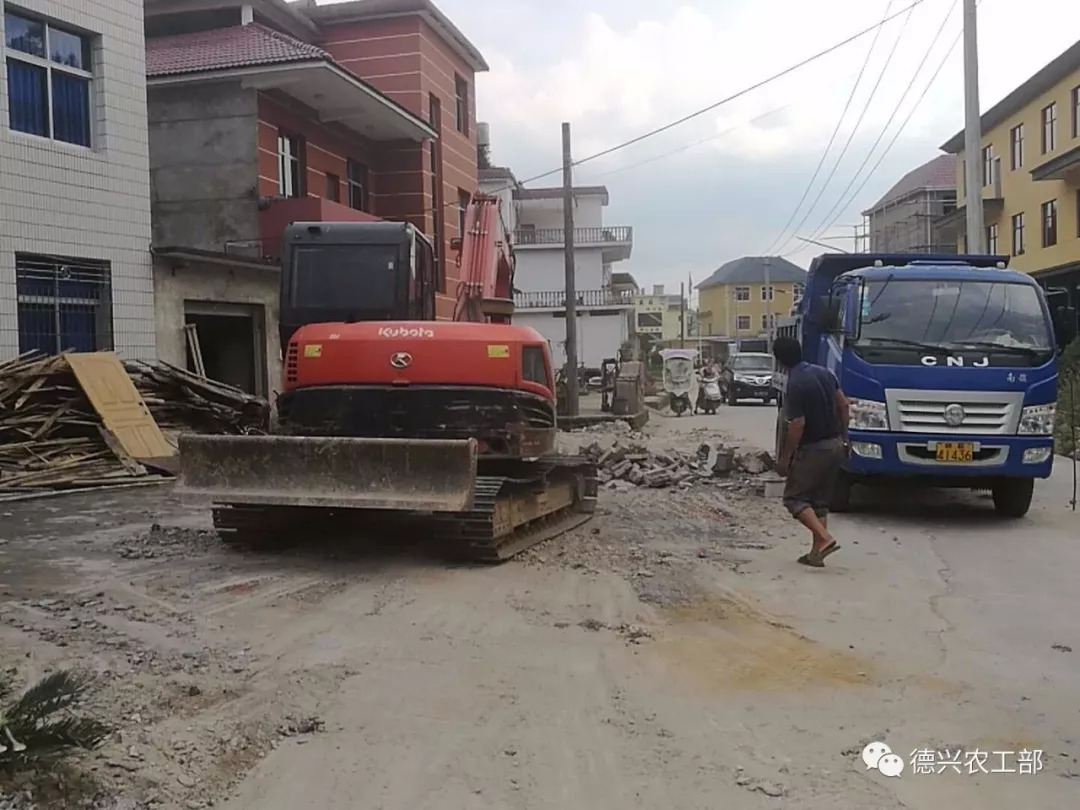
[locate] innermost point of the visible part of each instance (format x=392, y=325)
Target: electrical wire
x=843, y=201
x=832, y=140
x=851, y=135
x=691, y=145
x=715, y=105
x=903, y=125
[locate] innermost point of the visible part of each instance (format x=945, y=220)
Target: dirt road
x=669, y=654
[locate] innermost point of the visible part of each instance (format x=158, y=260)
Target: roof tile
x=224, y=48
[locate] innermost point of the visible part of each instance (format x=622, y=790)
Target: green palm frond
x=49, y=695
x=49, y=738
x=28, y=730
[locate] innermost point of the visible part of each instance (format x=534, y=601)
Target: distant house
x=903, y=220
x=743, y=298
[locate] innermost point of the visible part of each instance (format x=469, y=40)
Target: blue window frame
x=49, y=79
x=63, y=304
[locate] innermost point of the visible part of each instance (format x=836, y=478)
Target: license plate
x=955, y=452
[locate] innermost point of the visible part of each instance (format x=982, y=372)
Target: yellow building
x=658, y=315
x=1030, y=171
x=738, y=300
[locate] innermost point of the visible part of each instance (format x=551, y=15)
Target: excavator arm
x=486, y=260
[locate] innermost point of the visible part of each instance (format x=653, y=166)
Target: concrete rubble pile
x=635, y=464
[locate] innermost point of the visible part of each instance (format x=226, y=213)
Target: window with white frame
x=48, y=79
x=767, y=293
x=742, y=323
x=290, y=165
x=797, y=293
x=992, y=239
x=742, y=293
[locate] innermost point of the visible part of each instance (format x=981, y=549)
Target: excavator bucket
x=391, y=474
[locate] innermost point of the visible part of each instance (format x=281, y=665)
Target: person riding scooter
x=709, y=396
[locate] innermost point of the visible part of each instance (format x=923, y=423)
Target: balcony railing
x=556, y=299
x=582, y=236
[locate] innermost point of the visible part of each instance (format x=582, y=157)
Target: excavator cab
x=347, y=272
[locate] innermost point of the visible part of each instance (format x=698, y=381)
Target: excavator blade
x=385, y=474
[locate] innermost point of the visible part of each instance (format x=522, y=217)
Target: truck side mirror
x=829, y=320
x=1065, y=326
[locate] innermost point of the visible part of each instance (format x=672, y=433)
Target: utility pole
x=768, y=308
x=682, y=315
x=571, y=286
x=972, y=134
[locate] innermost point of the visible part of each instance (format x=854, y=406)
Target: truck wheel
x=1012, y=497
x=841, y=498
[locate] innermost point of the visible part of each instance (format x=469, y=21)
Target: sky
x=725, y=184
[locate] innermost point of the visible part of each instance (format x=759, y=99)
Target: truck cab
x=950, y=366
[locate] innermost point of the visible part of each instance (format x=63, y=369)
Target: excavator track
x=509, y=515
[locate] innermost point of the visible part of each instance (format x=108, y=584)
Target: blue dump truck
x=950, y=364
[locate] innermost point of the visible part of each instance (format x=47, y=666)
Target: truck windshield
x=761, y=362
x=345, y=278
x=990, y=315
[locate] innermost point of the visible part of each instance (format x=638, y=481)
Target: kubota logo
x=406, y=332
x=401, y=360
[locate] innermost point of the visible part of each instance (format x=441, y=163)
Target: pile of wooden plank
x=56, y=434
x=180, y=400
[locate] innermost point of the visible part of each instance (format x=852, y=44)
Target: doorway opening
x=231, y=341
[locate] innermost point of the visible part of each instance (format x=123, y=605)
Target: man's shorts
x=812, y=477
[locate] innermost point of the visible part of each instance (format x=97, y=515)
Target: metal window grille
x=63, y=304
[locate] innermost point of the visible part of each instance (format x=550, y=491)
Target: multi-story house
x=658, y=315
x=534, y=218
x=1030, y=174
x=744, y=298
x=265, y=113
x=902, y=221
x=74, y=187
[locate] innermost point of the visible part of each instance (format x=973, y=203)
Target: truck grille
x=984, y=413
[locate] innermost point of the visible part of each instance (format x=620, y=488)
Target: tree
x=483, y=156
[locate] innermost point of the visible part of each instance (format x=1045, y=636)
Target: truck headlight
x=1037, y=420
x=867, y=414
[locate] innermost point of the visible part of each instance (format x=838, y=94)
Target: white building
x=75, y=266
x=535, y=218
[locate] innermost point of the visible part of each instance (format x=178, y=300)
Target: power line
x=832, y=139
x=715, y=105
x=851, y=135
x=691, y=145
x=904, y=123
x=841, y=204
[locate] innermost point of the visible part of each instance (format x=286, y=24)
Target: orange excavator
x=385, y=411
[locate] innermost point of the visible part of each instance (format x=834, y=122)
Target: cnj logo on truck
x=930, y=360
x=406, y=332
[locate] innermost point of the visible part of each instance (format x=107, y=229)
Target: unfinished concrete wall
x=211, y=283
x=204, y=166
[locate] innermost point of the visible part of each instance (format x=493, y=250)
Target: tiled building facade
x=74, y=188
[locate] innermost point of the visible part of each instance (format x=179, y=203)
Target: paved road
x=984, y=608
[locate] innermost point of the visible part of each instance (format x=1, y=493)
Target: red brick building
x=265, y=113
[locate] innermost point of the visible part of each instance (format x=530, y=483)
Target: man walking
x=814, y=446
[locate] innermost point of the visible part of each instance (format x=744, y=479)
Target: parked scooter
x=709, y=396
x=680, y=381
